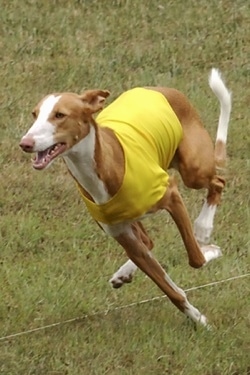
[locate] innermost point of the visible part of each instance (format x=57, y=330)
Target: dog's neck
x=81, y=162
x=95, y=161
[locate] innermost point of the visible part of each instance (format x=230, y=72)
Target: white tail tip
x=219, y=88
x=224, y=96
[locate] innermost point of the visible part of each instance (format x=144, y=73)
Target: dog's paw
x=118, y=281
x=124, y=275
x=195, y=316
x=211, y=252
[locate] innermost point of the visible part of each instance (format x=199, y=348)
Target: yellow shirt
x=149, y=133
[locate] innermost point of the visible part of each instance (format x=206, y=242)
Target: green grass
x=54, y=261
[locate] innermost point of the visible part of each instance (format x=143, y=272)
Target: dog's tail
x=223, y=94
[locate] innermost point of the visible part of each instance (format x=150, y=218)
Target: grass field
x=54, y=261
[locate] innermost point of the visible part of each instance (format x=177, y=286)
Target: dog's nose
x=27, y=144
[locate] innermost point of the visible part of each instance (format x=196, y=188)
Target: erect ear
x=94, y=99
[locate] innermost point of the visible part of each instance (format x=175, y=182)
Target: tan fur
x=194, y=159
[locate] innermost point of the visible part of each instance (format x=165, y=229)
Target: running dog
x=120, y=159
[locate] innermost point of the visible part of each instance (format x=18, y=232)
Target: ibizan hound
x=120, y=159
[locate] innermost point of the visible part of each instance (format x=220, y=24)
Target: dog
x=120, y=159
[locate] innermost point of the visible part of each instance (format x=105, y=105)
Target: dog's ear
x=94, y=99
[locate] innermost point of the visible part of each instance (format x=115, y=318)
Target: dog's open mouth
x=43, y=158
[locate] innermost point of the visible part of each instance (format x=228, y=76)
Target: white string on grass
x=14, y=335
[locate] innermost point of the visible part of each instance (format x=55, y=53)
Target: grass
x=54, y=261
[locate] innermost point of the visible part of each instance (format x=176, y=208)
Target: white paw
x=118, y=281
x=211, y=252
x=194, y=314
x=203, y=321
x=124, y=275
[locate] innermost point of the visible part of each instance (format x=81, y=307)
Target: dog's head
x=61, y=121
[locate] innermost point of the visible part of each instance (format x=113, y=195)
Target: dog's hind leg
x=172, y=202
x=198, y=162
x=203, y=225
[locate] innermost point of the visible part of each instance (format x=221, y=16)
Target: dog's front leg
x=142, y=257
x=126, y=272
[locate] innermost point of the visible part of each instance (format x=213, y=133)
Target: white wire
x=8, y=337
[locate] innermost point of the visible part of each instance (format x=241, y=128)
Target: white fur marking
x=117, y=229
x=211, y=252
x=203, y=225
x=124, y=274
x=42, y=131
x=218, y=87
x=195, y=314
x=189, y=310
x=174, y=286
x=81, y=163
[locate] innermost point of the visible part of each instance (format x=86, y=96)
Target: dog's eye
x=59, y=115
